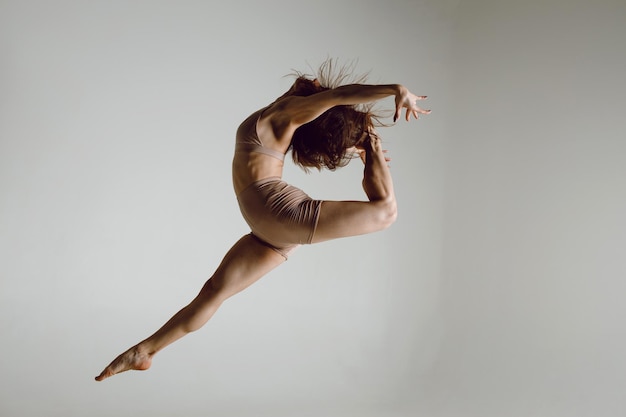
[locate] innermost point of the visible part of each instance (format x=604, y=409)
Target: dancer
x=322, y=123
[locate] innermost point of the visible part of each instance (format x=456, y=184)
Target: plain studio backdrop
x=498, y=292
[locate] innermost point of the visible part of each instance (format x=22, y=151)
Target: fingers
x=362, y=155
x=397, y=114
x=411, y=108
x=416, y=110
x=387, y=159
x=415, y=113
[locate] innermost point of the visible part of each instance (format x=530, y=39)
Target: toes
x=104, y=374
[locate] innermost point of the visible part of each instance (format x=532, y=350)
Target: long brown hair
x=324, y=142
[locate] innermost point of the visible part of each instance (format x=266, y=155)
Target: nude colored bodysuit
x=280, y=215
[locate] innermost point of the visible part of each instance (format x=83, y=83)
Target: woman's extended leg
x=246, y=262
x=350, y=218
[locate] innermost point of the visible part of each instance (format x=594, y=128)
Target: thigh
x=278, y=213
x=339, y=219
x=244, y=264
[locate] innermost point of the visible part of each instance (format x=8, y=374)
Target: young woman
x=322, y=126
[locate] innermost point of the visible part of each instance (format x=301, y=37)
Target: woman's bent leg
x=245, y=263
x=350, y=218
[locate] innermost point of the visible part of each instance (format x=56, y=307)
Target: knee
x=222, y=285
x=392, y=213
x=213, y=289
x=388, y=213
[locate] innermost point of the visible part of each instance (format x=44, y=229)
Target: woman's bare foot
x=133, y=359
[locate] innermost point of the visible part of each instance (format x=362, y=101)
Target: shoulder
x=299, y=110
x=273, y=122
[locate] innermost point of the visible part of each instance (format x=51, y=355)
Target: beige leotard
x=280, y=215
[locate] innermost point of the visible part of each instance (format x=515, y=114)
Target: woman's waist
x=257, y=184
x=244, y=176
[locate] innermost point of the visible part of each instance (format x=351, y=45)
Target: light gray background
x=498, y=292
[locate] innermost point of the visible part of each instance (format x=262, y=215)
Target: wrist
x=399, y=89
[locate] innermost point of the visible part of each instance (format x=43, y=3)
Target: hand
x=362, y=154
x=408, y=100
x=366, y=146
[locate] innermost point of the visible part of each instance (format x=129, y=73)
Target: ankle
x=144, y=348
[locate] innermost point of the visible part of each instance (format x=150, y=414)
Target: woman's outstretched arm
x=298, y=110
